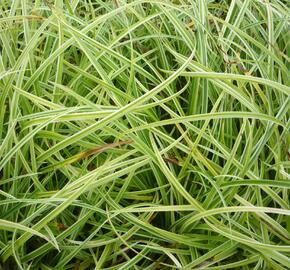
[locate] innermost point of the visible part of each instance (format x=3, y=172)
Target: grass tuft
x=144, y=134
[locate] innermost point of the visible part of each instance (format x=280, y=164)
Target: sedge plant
x=144, y=134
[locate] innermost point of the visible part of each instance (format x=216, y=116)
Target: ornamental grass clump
x=144, y=134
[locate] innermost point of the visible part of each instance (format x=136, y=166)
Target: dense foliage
x=144, y=134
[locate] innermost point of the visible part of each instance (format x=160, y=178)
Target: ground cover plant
x=144, y=134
